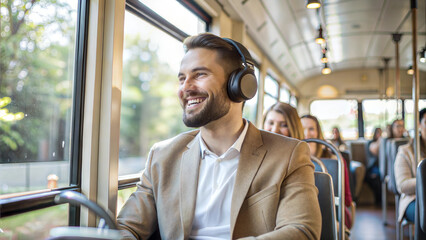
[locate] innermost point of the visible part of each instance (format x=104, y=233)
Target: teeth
x=194, y=101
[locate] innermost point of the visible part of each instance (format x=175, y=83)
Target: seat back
x=326, y=201
x=420, y=215
x=383, y=167
x=357, y=151
x=392, y=149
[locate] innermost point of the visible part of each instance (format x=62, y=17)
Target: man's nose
x=186, y=85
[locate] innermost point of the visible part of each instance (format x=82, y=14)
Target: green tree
x=36, y=47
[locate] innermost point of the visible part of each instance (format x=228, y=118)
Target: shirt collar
x=237, y=144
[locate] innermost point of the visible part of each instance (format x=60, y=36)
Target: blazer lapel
x=188, y=184
x=250, y=159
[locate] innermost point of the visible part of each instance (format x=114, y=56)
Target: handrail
x=341, y=203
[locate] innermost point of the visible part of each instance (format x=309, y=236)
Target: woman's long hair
x=290, y=116
x=320, y=152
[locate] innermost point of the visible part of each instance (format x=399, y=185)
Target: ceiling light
x=312, y=4
x=410, y=70
x=423, y=55
x=320, y=39
x=325, y=70
x=324, y=58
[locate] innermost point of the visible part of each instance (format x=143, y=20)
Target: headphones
x=242, y=83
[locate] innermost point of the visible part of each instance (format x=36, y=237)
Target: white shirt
x=214, y=194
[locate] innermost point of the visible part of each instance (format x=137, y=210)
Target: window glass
x=122, y=197
x=340, y=113
x=178, y=15
x=268, y=101
x=35, y=224
x=36, y=87
x=271, y=86
x=150, y=109
x=409, y=108
x=293, y=101
x=378, y=113
x=250, y=107
x=284, y=95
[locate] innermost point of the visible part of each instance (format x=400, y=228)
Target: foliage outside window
x=340, y=113
x=35, y=224
x=37, y=42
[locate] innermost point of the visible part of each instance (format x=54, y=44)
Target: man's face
x=202, y=88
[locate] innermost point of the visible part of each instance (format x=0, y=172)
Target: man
x=227, y=180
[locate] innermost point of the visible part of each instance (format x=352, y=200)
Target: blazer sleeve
x=138, y=217
x=298, y=215
x=404, y=178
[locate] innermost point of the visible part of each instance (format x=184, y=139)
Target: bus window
x=284, y=95
x=378, y=113
x=36, y=94
x=250, y=107
x=293, y=101
x=409, y=107
x=341, y=113
x=35, y=224
x=150, y=109
x=271, y=92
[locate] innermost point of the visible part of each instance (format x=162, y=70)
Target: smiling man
x=226, y=180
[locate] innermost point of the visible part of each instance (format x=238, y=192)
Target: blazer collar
x=250, y=159
x=189, y=171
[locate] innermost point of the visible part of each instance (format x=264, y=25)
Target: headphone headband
x=242, y=51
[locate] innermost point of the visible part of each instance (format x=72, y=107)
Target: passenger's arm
x=405, y=180
x=138, y=217
x=374, y=147
x=298, y=215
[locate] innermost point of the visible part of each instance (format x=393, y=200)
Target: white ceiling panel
x=358, y=32
x=299, y=54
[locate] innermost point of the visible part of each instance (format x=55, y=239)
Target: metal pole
x=416, y=85
x=396, y=37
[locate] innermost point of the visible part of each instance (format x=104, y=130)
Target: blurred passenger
x=283, y=119
x=337, y=140
x=312, y=129
x=373, y=173
x=405, y=171
x=396, y=129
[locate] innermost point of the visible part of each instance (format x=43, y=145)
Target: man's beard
x=215, y=108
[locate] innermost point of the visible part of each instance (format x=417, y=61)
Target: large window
x=378, y=113
x=340, y=113
x=150, y=109
x=271, y=92
x=409, y=109
x=37, y=45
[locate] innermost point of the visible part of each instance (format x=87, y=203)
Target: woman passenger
x=373, y=173
x=283, y=119
x=396, y=129
x=337, y=140
x=405, y=171
x=313, y=130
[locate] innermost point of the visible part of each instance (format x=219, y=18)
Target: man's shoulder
x=180, y=139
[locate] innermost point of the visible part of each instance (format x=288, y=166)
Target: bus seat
x=391, y=151
x=324, y=184
x=357, y=151
x=383, y=177
x=420, y=215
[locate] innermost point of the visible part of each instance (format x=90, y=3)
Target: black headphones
x=242, y=83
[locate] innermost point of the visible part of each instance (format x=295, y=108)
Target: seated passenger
x=283, y=119
x=313, y=130
x=337, y=140
x=227, y=179
x=373, y=173
x=405, y=171
x=396, y=129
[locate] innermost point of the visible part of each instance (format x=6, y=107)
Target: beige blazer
x=405, y=177
x=274, y=195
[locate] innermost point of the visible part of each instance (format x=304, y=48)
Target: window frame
x=35, y=201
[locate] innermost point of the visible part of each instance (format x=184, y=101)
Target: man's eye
x=199, y=74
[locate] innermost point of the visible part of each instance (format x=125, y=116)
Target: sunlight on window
x=378, y=113
x=340, y=113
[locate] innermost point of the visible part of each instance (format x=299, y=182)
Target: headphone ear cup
x=242, y=85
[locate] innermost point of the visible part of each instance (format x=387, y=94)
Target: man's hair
x=291, y=117
x=227, y=54
x=421, y=114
